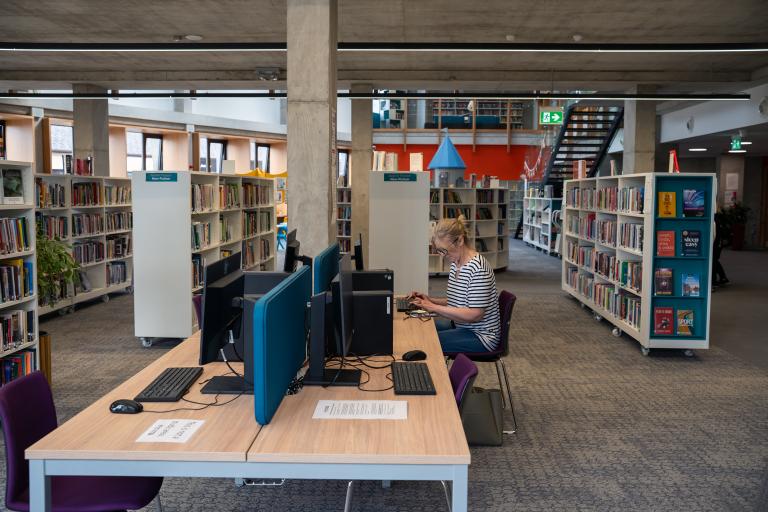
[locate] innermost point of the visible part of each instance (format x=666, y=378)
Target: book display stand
x=638, y=252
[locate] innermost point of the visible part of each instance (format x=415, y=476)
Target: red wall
x=492, y=160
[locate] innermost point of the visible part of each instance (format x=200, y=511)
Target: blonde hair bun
x=452, y=229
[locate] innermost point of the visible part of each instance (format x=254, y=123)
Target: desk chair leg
x=509, y=391
x=348, y=501
x=447, y=494
x=159, y=503
x=501, y=384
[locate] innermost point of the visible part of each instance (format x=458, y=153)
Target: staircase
x=585, y=135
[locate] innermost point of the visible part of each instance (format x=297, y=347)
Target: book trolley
x=637, y=251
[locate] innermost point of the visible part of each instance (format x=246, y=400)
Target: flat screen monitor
x=223, y=283
x=325, y=266
x=342, y=300
x=292, y=247
x=359, y=253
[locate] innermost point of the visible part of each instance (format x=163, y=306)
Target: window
x=144, y=151
x=343, y=169
x=260, y=156
x=213, y=151
x=61, y=145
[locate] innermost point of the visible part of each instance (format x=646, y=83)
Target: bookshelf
x=183, y=221
x=93, y=215
x=516, y=197
x=646, y=287
x=486, y=212
x=344, y=218
x=506, y=113
x=18, y=267
x=538, y=229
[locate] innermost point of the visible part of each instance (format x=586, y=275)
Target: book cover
x=691, y=242
x=685, y=322
x=691, y=285
x=664, y=281
x=693, y=203
x=665, y=243
x=13, y=188
x=662, y=320
x=667, y=204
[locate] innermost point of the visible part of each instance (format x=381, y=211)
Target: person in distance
x=470, y=313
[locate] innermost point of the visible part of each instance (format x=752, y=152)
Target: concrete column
x=91, y=128
x=360, y=157
x=311, y=123
x=640, y=133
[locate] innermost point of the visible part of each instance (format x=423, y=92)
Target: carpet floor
x=600, y=426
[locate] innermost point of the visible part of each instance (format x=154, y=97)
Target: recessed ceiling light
x=510, y=37
x=697, y=149
x=737, y=151
x=193, y=37
x=577, y=37
x=746, y=142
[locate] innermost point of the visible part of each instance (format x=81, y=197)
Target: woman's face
x=449, y=248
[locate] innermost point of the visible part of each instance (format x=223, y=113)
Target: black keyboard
x=170, y=385
x=404, y=305
x=412, y=379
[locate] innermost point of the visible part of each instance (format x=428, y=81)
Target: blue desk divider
x=279, y=341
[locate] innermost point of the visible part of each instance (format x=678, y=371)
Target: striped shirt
x=474, y=286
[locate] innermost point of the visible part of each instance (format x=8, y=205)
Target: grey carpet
x=601, y=426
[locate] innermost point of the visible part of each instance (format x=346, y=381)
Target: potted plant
x=735, y=217
x=55, y=268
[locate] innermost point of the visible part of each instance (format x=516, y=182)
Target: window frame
x=144, y=138
x=255, y=161
x=223, y=143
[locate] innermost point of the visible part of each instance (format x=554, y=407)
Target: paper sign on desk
x=170, y=431
x=361, y=410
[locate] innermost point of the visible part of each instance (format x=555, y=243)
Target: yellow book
x=667, y=202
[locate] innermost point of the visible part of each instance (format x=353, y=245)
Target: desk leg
x=459, y=489
x=39, y=487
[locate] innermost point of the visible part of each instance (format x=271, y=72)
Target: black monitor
x=358, y=257
x=223, y=283
x=332, y=331
x=292, y=247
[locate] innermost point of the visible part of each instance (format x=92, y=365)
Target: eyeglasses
x=441, y=251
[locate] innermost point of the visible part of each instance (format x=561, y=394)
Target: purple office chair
x=462, y=375
x=27, y=414
x=197, y=301
x=506, y=305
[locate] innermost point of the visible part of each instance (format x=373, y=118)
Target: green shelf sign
x=551, y=117
x=399, y=176
x=163, y=177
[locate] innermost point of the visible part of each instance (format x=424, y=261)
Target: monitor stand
x=227, y=385
x=329, y=378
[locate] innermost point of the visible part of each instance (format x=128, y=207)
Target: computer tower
x=373, y=280
x=372, y=318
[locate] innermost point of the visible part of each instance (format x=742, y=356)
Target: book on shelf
x=117, y=273
x=83, y=282
x=13, y=187
x=198, y=264
x=665, y=244
x=86, y=194
x=690, y=240
x=664, y=279
x=16, y=280
x=685, y=322
x=416, y=162
x=667, y=204
x=693, y=203
x=17, y=365
x=691, y=285
x=663, y=321
x=2, y=140
x=14, y=235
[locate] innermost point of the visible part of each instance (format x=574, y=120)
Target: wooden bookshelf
x=486, y=212
x=105, y=223
x=610, y=255
x=21, y=352
x=220, y=214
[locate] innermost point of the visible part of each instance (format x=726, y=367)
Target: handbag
x=482, y=416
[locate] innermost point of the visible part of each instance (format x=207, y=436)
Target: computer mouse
x=414, y=355
x=125, y=406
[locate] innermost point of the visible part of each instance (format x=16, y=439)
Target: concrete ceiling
x=719, y=143
x=543, y=21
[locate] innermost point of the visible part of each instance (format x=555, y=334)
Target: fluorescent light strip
x=745, y=143
x=737, y=151
x=499, y=96
x=697, y=149
x=761, y=47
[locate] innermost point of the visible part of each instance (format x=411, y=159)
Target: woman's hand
x=424, y=303
x=417, y=295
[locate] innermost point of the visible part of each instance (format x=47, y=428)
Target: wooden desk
x=429, y=445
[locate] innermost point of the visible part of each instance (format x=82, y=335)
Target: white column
x=91, y=128
x=360, y=158
x=640, y=133
x=312, y=121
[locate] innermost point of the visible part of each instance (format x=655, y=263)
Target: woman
x=470, y=314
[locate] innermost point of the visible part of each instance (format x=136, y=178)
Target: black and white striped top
x=474, y=286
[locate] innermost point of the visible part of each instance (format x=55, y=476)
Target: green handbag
x=482, y=416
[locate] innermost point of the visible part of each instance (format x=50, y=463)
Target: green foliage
x=55, y=267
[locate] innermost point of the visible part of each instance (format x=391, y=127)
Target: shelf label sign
x=550, y=117
x=399, y=176
x=164, y=177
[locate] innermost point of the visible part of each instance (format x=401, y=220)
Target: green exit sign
x=550, y=117
x=735, y=143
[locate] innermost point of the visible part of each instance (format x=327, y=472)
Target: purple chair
x=462, y=374
x=506, y=304
x=197, y=301
x=27, y=414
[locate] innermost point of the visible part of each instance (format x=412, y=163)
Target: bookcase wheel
x=645, y=350
x=129, y=290
x=688, y=353
x=63, y=311
x=598, y=318
x=617, y=332
x=583, y=306
x=146, y=342
x=70, y=310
